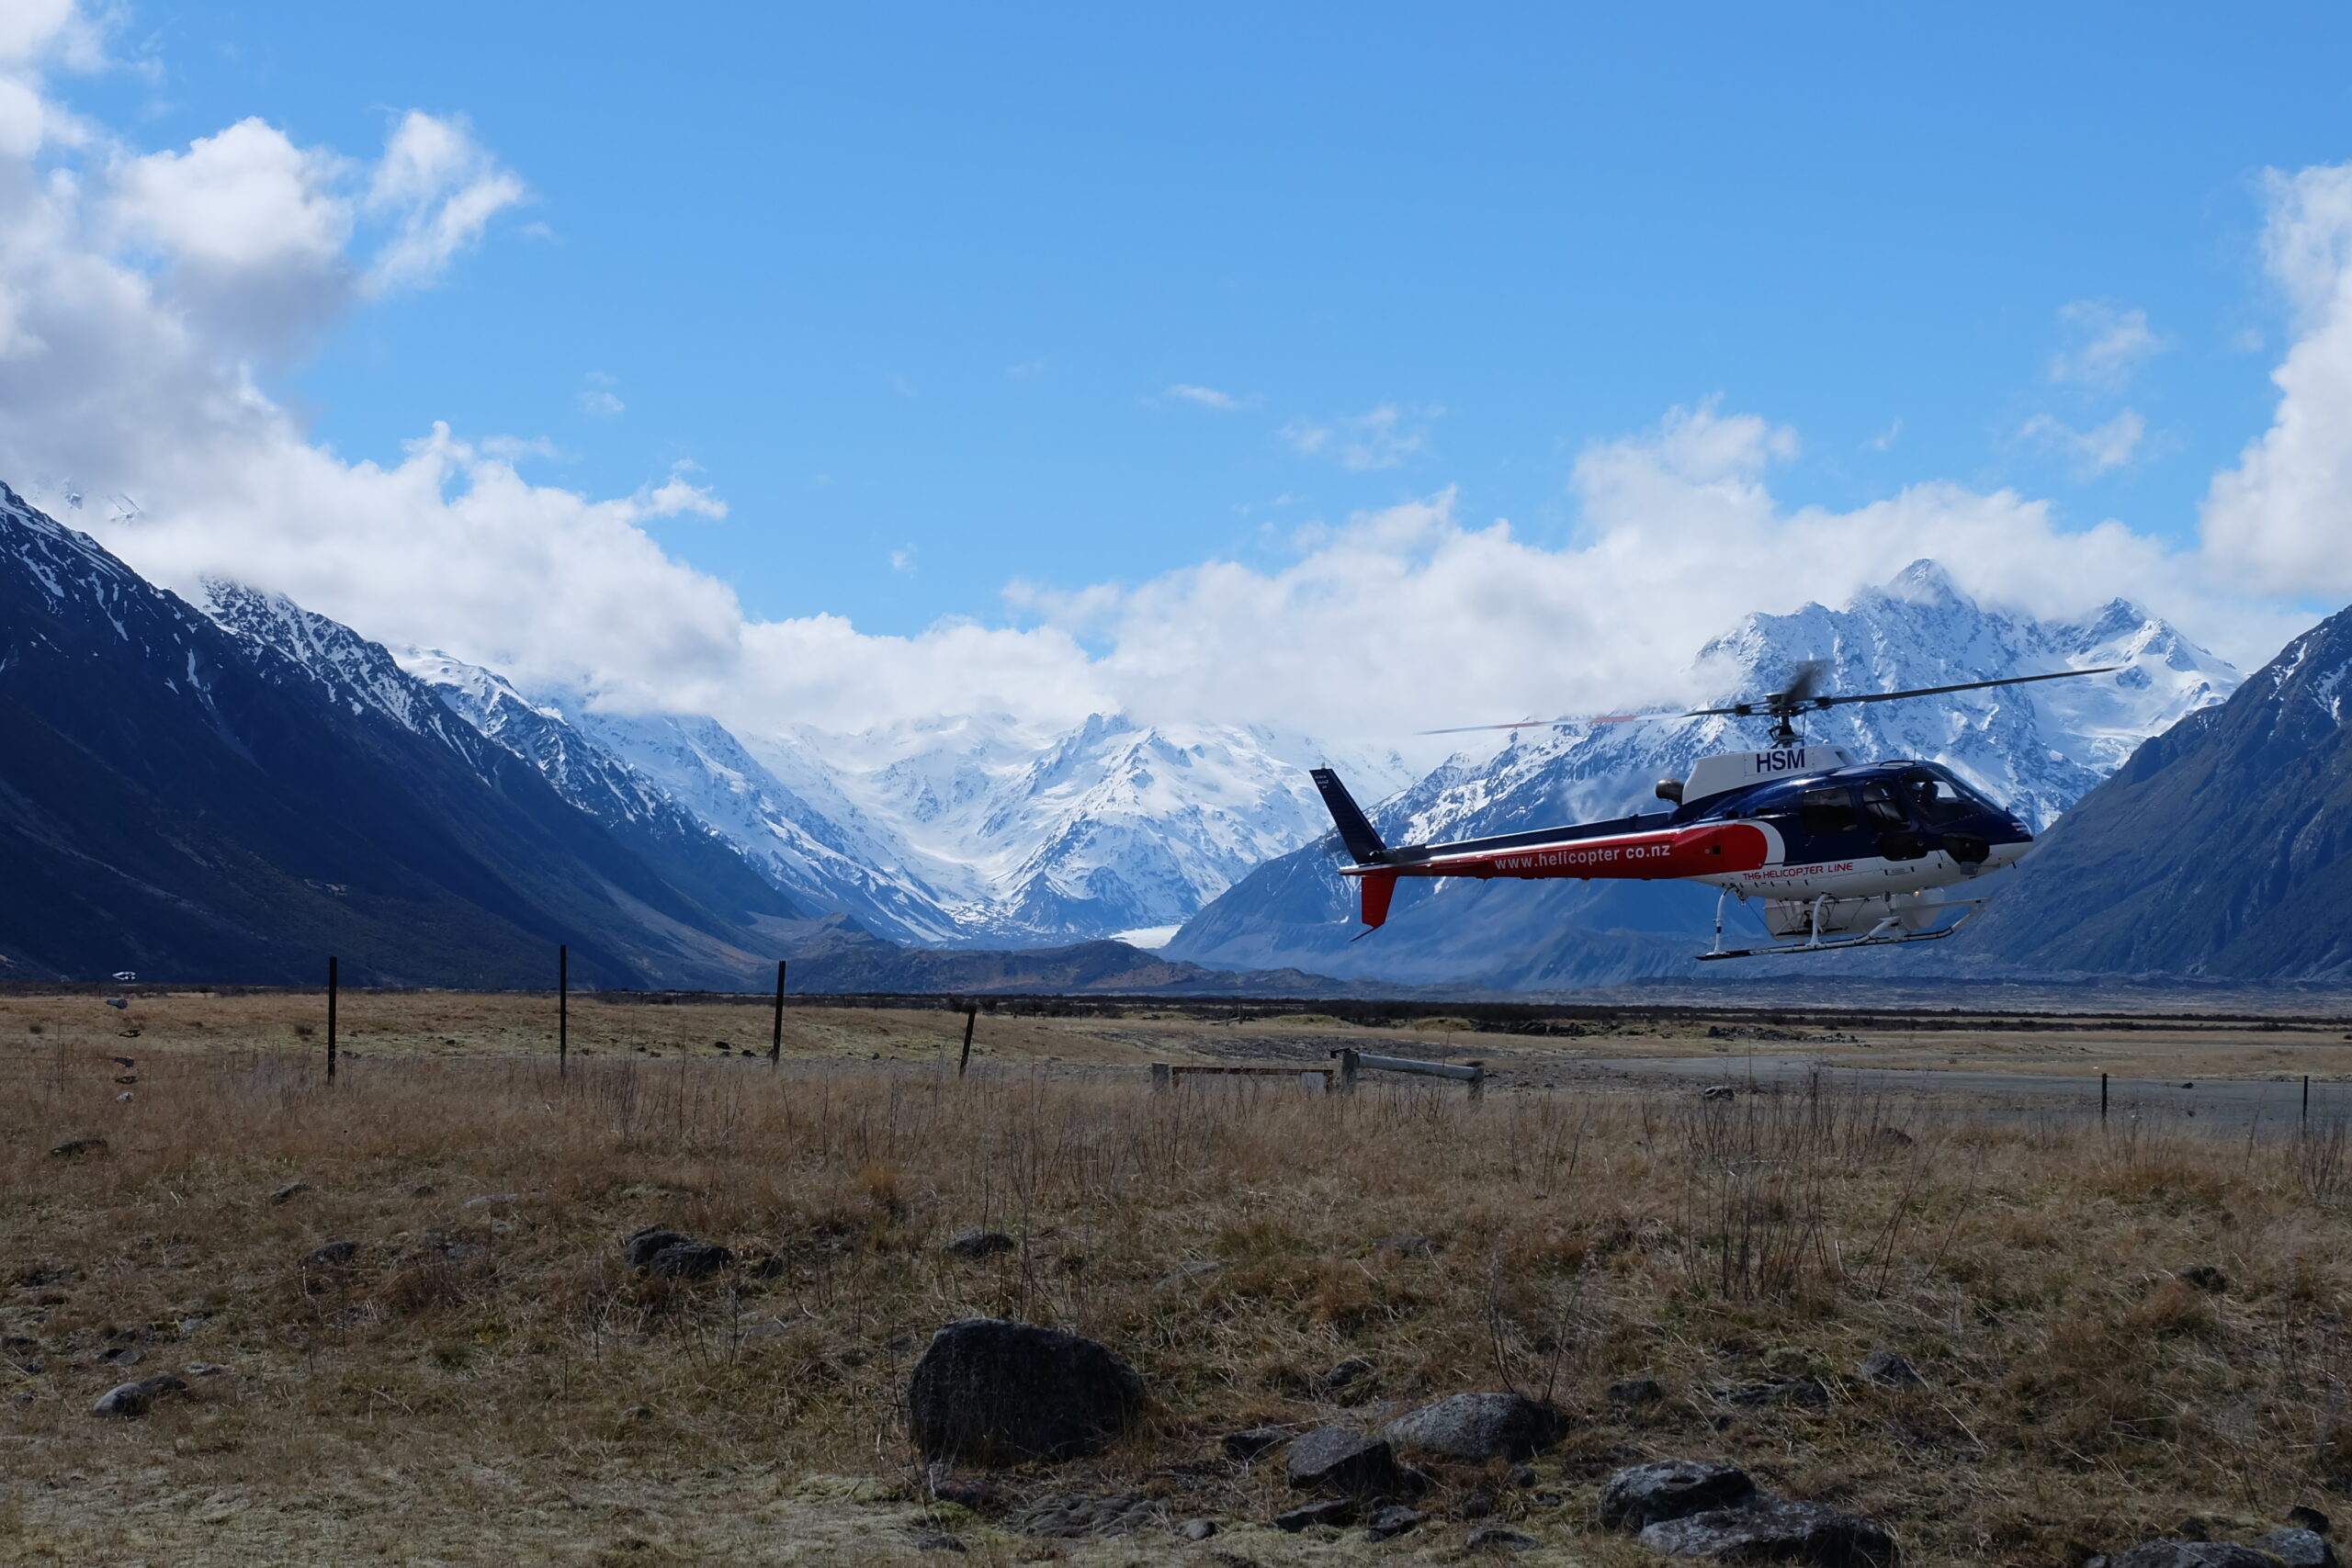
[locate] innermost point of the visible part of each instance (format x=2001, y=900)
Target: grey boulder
x=2195, y=1554
x=1475, y=1428
x=2297, y=1548
x=1645, y=1495
x=978, y=1244
x=1000, y=1393
x=135, y=1398
x=1774, y=1529
x=638, y=1249
x=1338, y=1460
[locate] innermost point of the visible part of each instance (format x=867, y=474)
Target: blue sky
x=916, y=283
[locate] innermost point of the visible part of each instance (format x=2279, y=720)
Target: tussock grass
x=487, y=1382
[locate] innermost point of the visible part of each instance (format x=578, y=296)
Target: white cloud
x=113, y=386
x=2093, y=452
x=1383, y=438
x=598, y=400
x=2106, y=346
x=902, y=560
x=2281, y=520
x=439, y=190
x=1207, y=396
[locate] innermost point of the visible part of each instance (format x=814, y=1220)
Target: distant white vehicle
x=126, y=974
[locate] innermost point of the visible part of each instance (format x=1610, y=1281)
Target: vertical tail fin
x=1355, y=829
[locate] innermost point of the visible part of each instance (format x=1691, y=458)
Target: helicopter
x=1841, y=855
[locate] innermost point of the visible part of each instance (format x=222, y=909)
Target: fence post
x=2307, y=1099
x=562, y=1007
x=1350, y=1063
x=334, y=984
x=1161, y=1078
x=1479, y=1083
x=971, y=1016
x=776, y=1044
x=2102, y=1097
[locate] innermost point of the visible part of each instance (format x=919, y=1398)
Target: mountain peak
x=1925, y=581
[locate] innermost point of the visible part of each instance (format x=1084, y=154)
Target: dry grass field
x=484, y=1381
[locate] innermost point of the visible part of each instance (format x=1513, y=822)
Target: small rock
x=995, y=1392
x=1795, y=1391
x=331, y=1254
x=1198, y=1529
x=1635, y=1390
x=1889, y=1370
x=117, y=1002
x=125, y=1094
x=203, y=1370
x=2297, y=1548
x=290, y=1192
x=1255, y=1443
x=1645, y=1495
x=689, y=1261
x=638, y=1413
x=121, y=1356
x=934, y=1540
x=1345, y=1372
x=1891, y=1138
x=1716, y=1092
x=135, y=1398
x=2307, y=1518
x=1478, y=1506
x=967, y=1491
x=75, y=1148
x=493, y=1200
x=2205, y=1276
x=1475, y=1428
x=978, y=1244
x=1496, y=1538
x=125, y=1077
x=2195, y=1554
x=1407, y=1246
x=1774, y=1529
x=1340, y=1511
x=1338, y=1460
x=1393, y=1520
x=638, y=1249
x=1521, y=1475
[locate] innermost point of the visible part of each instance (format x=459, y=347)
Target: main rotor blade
x=1554, y=722
x=1962, y=686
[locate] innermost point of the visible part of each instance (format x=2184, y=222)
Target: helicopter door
x=1829, y=819
x=1897, y=837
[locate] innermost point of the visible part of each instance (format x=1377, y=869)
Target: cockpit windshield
x=1940, y=797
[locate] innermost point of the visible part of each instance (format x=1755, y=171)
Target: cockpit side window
x=1829, y=811
x=1880, y=806
x=1941, y=799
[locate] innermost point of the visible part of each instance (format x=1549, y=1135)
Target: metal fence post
x=776, y=1044
x=2102, y=1097
x=333, y=985
x=971, y=1016
x=562, y=1007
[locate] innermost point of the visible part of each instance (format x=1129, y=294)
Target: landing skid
x=1888, y=933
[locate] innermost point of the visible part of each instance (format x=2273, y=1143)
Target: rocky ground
x=456, y=1309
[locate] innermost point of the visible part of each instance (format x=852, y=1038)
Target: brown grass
x=487, y=1382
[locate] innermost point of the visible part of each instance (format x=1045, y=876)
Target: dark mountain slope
x=190, y=803
x=358, y=674
x=2222, y=848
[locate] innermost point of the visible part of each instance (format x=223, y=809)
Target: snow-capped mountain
x=237, y=798
x=2036, y=748
x=2222, y=849
x=951, y=833
x=1112, y=828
